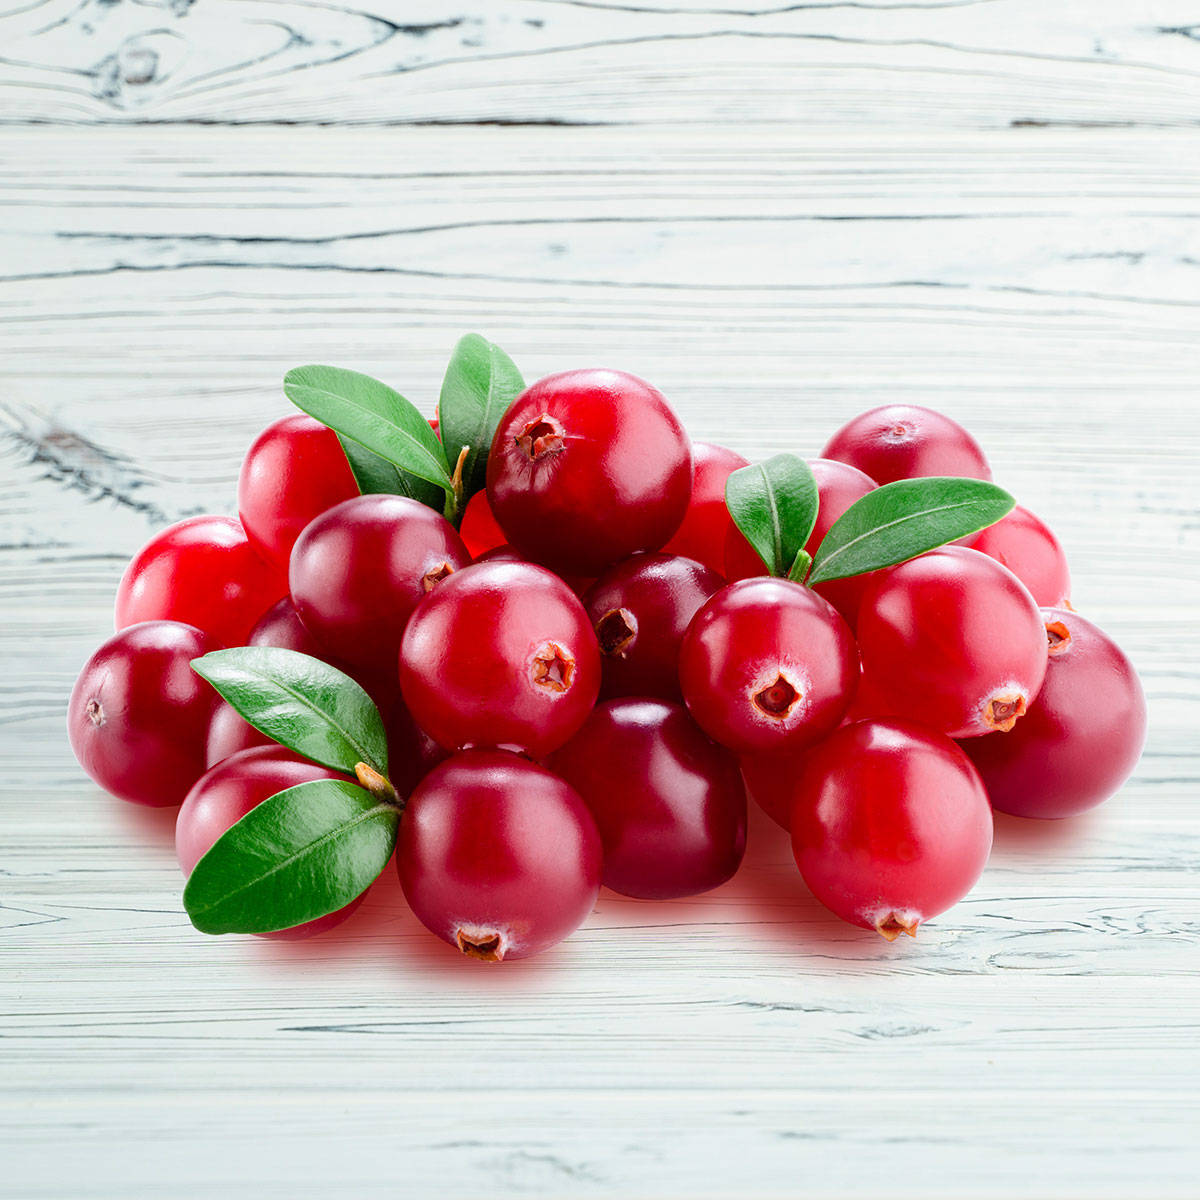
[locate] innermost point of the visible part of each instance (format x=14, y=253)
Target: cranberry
x=1082, y=736
x=640, y=610
x=227, y=793
x=588, y=467
x=1027, y=547
x=767, y=665
x=497, y=856
x=359, y=570
x=500, y=655
x=294, y=471
x=479, y=530
x=905, y=441
x=669, y=803
x=890, y=825
x=951, y=639
x=771, y=782
x=412, y=753
x=707, y=523
x=138, y=713
x=202, y=572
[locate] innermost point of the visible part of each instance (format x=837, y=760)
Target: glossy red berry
x=771, y=782
x=953, y=640
x=139, y=714
x=905, y=441
x=890, y=825
x=668, y=801
x=501, y=654
x=707, y=522
x=479, y=530
x=1028, y=548
x=640, y=610
x=202, y=572
x=227, y=793
x=767, y=665
x=293, y=472
x=1082, y=736
x=588, y=467
x=360, y=569
x=497, y=856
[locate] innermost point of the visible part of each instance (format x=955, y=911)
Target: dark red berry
x=668, y=801
x=1082, y=736
x=360, y=569
x=497, y=856
x=479, y=530
x=1028, y=548
x=202, y=572
x=588, y=467
x=227, y=793
x=771, y=782
x=293, y=472
x=767, y=665
x=890, y=825
x=640, y=610
x=139, y=714
x=501, y=654
x=953, y=640
x=707, y=522
x=905, y=441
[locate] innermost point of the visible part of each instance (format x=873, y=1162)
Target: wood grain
x=1038, y=1040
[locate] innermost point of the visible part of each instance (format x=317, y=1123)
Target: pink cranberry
x=501, y=654
x=497, y=856
x=1082, y=736
x=707, y=523
x=138, y=713
x=890, y=825
x=767, y=665
x=202, y=572
x=640, y=610
x=227, y=792
x=588, y=467
x=669, y=803
x=905, y=441
x=1028, y=548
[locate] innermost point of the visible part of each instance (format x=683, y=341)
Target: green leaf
x=304, y=704
x=300, y=855
x=904, y=519
x=371, y=413
x=774, y=504
x=377, y=476
x=481, y=382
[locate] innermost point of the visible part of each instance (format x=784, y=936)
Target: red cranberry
x=669, y=803
x=227, y=793
x=1082, y=736
x=497, y=856
x=501, y=654
x=479, y=530
x=588, y=467
x=202, y=572
x=359, y=570
x=890, y=825
x=1027, y=547
x=294, y=471
x=905, y=441
x=771, y=782
x=707, y=523
x=280, y=626
x=139, y=714
x=640, y=610
x=767, y=665
x=953, y=640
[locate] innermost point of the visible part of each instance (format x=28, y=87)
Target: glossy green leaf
x=303, y=703
x=306, y=852
x=377, y=476
x=373, y=415
x=481, y=382
x=904, y=519
x=774, y=504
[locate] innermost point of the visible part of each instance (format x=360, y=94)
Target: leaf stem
x=379, y=787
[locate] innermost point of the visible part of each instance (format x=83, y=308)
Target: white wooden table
x=780, y=214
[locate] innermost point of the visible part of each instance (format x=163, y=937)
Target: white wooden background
x=781, y=214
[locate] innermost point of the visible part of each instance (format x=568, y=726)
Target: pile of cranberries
x=584, y=680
